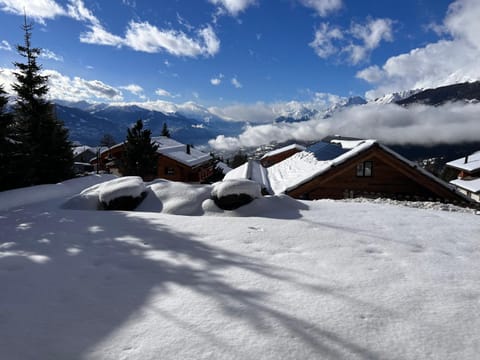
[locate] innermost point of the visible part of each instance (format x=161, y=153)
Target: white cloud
x=357, y=42
x=133, y=88
x=323, y=41
x=48, y=54
x=99, y=36
x=142, y=36
x=39, y=10
x=217, y=80
x=392, y=124
x=371, y=34
x=323, y=7
x=163, y=92
x=233, y=7
x=441, y=63
x=259, y=112
x=77, y=10
x=236, y=83
x=66, y=88
x=4, y=45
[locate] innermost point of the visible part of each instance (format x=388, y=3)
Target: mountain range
x=194, y=124
x=87, y=123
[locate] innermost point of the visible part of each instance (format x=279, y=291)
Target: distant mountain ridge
x=194, y=124
x=438, y=96
x=87, y=123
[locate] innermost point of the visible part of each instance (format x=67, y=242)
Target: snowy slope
x=277, y=279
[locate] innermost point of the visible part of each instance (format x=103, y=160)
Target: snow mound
x=128, y=186
x=236, y=187
x=275, y=207
x=175, y=198
x=232, y=194
x=49, y=192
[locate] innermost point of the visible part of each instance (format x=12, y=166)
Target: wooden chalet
x=468, y=178
x=275, y=156
x=176, y=161
x=83, y=153
x=345, y=169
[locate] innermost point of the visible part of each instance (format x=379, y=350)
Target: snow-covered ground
x=275, y=279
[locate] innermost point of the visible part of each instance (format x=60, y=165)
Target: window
x=365, y=168
x=169, y=171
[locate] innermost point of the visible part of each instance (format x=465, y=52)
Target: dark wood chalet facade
x=375, y=172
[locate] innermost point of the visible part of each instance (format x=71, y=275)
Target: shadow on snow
x=72, y=278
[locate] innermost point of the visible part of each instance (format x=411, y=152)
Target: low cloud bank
x=392, y=124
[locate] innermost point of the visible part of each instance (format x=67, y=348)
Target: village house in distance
x=468, y=179
x=176, y=161
x=338, y=169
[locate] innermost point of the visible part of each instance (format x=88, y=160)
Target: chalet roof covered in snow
x=472, y=163
x=178, y=151
x=77, y=150
x=306, y=165
x=283, y=149
x=346, y=144
x=472, y=185
x=326, y=151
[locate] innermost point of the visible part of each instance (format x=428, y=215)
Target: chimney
x=188, y=149
x=466, y=159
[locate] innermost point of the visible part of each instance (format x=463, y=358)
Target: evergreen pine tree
x=140, y=152
x=46, y=151
x=8, y=145
x=165, y=131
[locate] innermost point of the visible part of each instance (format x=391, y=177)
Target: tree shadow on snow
x=71, y=279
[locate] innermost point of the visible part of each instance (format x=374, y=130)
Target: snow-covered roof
x=472, y=185
x=347, y=144
x=77, y=150
x=472, y=164
x=304, y=166
x=283, y=149
x=178, y=151
x=175, y=150
x=326, y=151
x=251, y=170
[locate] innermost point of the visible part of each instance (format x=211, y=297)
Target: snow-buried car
x=124, y=193
x=231, y=194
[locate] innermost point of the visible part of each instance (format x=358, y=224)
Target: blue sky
x=218, y=53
